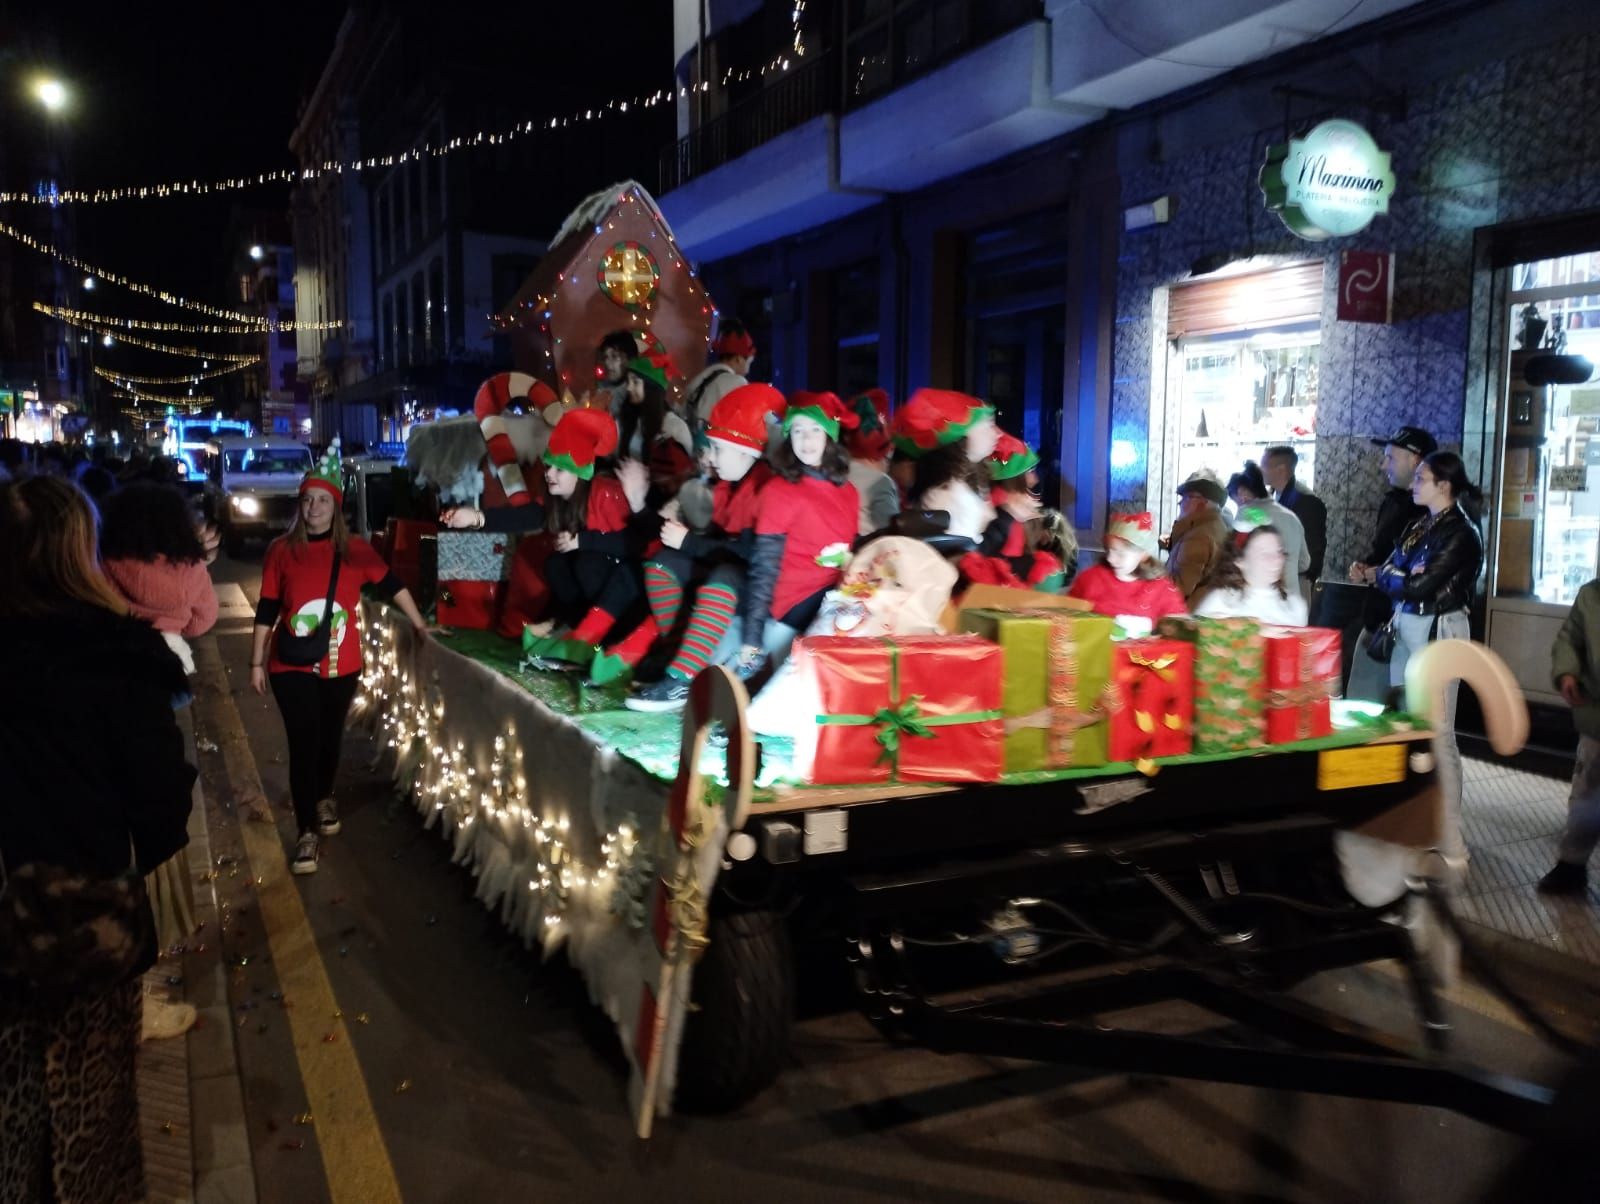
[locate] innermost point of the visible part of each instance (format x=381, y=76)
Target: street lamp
x=106, y=341
x=52, y=93
x=88, y=284
x=256, y=252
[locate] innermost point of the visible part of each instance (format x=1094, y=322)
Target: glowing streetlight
x=52, y=93
x=106, y=341
x=88, y=283
x=256, y=252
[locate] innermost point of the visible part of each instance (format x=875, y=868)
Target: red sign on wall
x=1366, y=286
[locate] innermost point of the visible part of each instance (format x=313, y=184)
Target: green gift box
x=1230, y=681
x=1057, y=665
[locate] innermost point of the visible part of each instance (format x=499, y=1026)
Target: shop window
x=1549, y=511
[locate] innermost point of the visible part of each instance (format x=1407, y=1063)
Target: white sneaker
x=328, y=817
x=305, y=854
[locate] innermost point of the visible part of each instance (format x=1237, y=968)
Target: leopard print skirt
x=69, y=1104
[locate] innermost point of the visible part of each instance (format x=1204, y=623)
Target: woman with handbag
x=97, y=792
x=1430, y=577
x=311, y=582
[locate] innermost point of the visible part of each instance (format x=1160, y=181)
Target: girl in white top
x=1249, y=584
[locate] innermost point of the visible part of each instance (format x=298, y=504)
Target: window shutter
x=1280, y=297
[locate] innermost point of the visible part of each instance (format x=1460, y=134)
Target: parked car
x=254, y=483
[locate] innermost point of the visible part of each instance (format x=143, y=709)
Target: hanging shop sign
x=1572, y=478
x=1330, y=183
x=1366, y=286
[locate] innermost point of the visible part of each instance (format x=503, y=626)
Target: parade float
x=1010, y=819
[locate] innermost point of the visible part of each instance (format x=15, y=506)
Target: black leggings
x=579, y=580
x=314, y=710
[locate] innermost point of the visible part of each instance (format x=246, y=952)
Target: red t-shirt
x=734, y=504
x=296, y=576
x=1109, y=595
x=812, y=513
x=608, y=508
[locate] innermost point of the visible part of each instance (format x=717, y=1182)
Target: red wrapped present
x=917, y=708
x=474, y=604
x=1303, y=668
x=1151, y=699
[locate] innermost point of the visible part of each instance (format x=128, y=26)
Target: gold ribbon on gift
x=1303, y=693
x=1061, y=717
x=1145, y=720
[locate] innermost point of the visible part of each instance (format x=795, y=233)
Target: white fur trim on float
x=494, y=396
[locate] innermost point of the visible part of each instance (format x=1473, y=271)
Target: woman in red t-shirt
x=1130, y=581
x=315, y=699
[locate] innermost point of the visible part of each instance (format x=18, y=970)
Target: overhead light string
x=187, y=378
x=226, y=357
x=79, y=315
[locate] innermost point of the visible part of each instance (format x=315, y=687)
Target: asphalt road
x=489, y=1075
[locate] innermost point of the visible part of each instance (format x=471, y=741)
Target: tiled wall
x=1508, y=140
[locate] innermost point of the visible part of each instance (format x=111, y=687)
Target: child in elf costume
x=648, y=429
x=1014, y=534
x=806, y=522
x=869, y=447
x=948, y=436
x=712, y=564
x=1130, y=584
x=593, y=582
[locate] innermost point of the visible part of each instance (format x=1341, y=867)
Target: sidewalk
x=1513, y=822
x=191, y=1101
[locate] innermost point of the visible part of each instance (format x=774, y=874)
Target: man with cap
x=1402, y=452
x=1278, y=466
x=1200, y=536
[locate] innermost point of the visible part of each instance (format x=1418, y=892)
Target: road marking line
x=354, y=1156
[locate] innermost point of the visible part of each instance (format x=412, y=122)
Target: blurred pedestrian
x=153, y=554
x=1248, y=583
x=1200, y=536
x=97, y=792
x=1256, y=508
x=1575, y=669
x=311, y=581
x=1278, y=465
x=1430, y=577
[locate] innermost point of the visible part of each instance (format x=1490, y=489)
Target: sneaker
x=328, y=817
x=668, y=694
x=163, y=1020
x=305, y=854
x=1566, y=879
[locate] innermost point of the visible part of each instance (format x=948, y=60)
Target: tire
x=736, y=1038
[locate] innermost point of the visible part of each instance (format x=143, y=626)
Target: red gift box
x=919, y=708
x=474, y=604
x=1151, y=696
x=1303, y=668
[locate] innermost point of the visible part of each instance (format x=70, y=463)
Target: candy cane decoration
x=494, y=395
x=1431, y=671
x=690, y=853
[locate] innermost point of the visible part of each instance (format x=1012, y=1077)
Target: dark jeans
x=314, y=710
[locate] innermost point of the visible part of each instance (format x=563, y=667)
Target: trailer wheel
x=737, y=1034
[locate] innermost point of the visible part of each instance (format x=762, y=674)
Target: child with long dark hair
x=150, y=551
x=650, y=432
x=1013, y=536
x=1248, y=583
x=948, y=437
x=807, y=520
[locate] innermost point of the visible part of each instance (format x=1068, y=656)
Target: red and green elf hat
x=1011, y=458
x=328, y=474
x=825, y=409
x=654, y=367
x=1139, y=530
x=739, y=419
x=936, y=418
x=581, y=437
x=733, y=343
x=870, y=439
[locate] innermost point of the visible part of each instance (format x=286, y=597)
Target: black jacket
x=1313, y=516
x=90, y=751
x=1395, y=514
x=1434, y=568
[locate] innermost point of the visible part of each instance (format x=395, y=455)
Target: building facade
x=1059, y=207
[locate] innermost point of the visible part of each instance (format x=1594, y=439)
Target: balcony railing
x=903, y=39
x=796, y=98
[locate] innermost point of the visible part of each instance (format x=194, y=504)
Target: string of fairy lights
x=117, y=336
x=80, y=315
x=617, y=106
x=186, y=378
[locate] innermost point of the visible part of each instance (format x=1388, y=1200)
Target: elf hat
x=580, y=438
x=1137, y=530
x=653, y=367
x=870, y=439
x=1011, y=458
x=1250, y=517
x=328, y=474
x=732, y=343
x=739, y=419
x=825, y=409
x=936, y=418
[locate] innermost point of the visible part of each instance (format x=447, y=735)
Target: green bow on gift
x=902, y=717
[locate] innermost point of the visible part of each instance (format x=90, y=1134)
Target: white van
x=255, y=483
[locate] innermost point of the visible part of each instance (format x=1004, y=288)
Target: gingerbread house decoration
x=612, y=266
